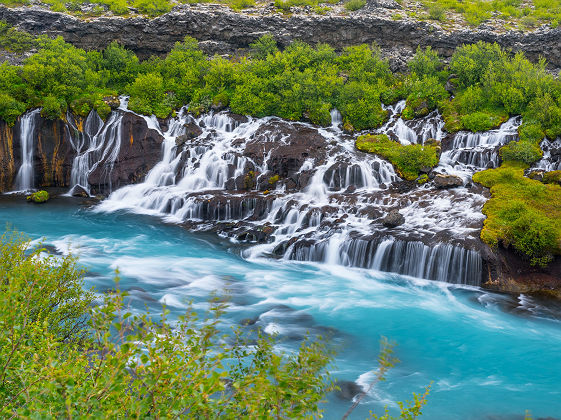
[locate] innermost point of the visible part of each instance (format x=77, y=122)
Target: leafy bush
x=10, y=109
x=408, y=160
x=482, y=121
x=15, y=41
x=63, y=357
x=425, y=62
x=53, y=107
x=148, y=94
x=522, y=151
x=264, y=46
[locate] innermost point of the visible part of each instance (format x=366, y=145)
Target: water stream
x=490, y=356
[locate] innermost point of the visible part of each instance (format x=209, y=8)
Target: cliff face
x=222, y=31
x=56, y=144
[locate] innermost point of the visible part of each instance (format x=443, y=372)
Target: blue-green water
x=489, y=355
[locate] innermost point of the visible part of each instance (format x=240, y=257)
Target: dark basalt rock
x=447, y=181
x=222, y=31
x=347, y=390
x=139, y=152
x=393, y=219
x=192, y=131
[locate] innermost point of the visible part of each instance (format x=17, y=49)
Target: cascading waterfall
x=24, y=177
x=99, y=142
x=334, y=215
x=471, y=152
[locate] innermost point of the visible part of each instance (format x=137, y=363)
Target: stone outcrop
x=54, y=152
x=140, y=150
x=223, y=31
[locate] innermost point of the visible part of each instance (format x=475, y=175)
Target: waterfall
x=24, y=177
x=215, y=171
x=442, y=262
x=98, y=143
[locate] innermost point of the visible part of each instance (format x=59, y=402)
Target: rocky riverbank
x=223, y=31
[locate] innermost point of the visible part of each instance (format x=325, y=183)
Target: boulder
x=393, y=219
x=192, y=131
x=447, y=181
x=348, y=390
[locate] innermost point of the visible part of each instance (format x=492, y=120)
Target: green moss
x=39, y=197
x=353, y=5
x=273, y=180
x=522, y=213
x=408, y=160
x=552, y=177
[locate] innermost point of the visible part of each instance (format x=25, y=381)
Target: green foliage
x=148, y=94
x=353, y=5
x=10, y=108
x=522, y=212
x=408, y=160
x=470, y=62
x=264, y=46
x=39, y=197
x=425, y=63
x=482, y=121
x=521, y=151
x=552, y=177
x=425, y=94
x=15, y=41
x=63, y=357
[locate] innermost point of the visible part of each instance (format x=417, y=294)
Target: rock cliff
x=223, y=31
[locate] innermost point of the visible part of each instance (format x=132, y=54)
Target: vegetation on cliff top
x=409, y=160
x=63, y=356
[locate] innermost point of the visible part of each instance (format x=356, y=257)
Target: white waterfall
x=99, y=142
x=327, y=209
x=24, y=177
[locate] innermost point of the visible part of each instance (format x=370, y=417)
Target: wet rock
x=113, y=101
x=393, y=219
x=78, y=191
x=447, y=181
x=139, y=152
x=347, y=390
x=536, y=175
x=192, y=131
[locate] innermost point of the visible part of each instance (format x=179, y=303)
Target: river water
x=489, y=356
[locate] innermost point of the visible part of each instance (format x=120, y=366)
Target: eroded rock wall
x=222, y=31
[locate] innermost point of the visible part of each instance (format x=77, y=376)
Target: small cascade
x=472, y=152
x=442, y=262
x=336, y=119
x=551, y=160
x=98, y=143
x=415, y=131
x=24, y=177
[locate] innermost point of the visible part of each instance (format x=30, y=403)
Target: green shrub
x=521, y=151
x=10, y=109
x=353, y=5
x=482, y=121
x=425, y=63
x=552, y=177
x=148, y=95
x=437, y=12
x=522, y=212
x=264, y=46
x=53, y=107
x=408, y=160
x=15, y=41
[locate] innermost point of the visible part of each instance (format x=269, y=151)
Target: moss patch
x=38, y=197
x=522, y=212
x=409, y=161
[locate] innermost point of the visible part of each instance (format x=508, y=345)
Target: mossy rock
x=38, y=197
